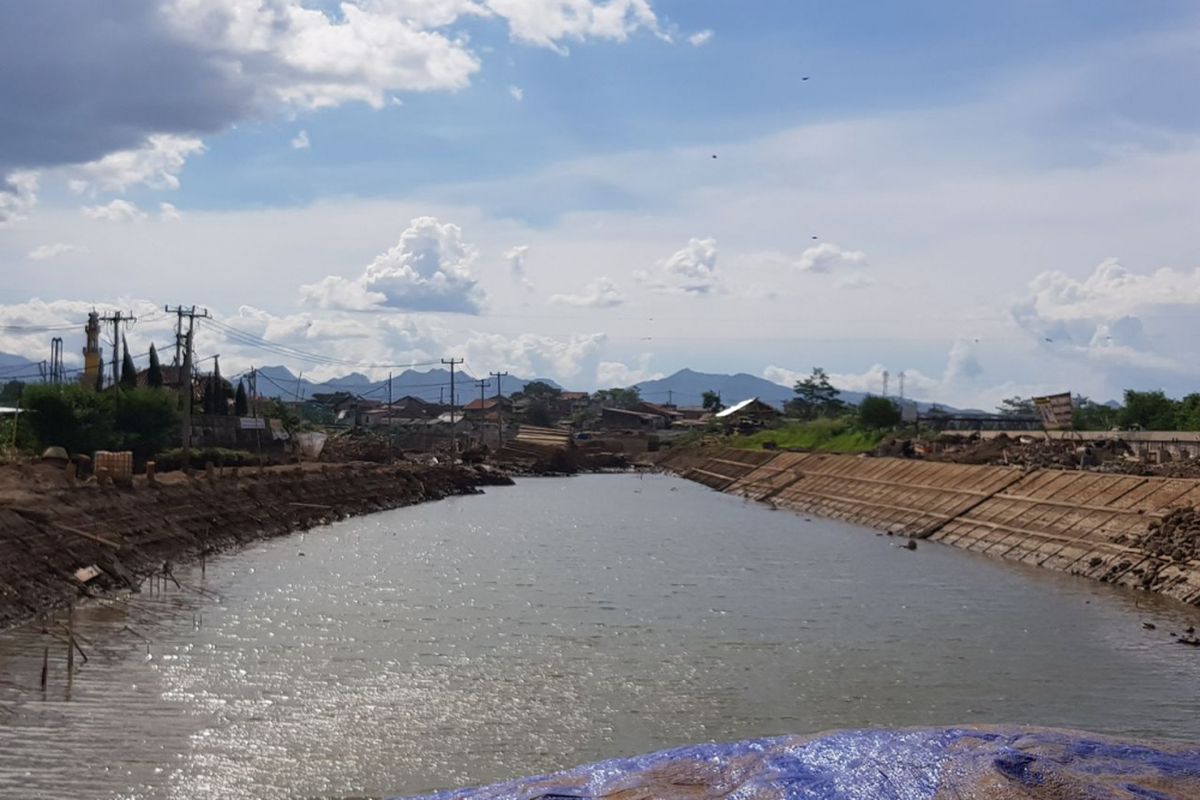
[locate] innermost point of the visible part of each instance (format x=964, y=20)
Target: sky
x=994, y=199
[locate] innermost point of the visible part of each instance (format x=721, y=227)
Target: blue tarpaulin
x=917, y=764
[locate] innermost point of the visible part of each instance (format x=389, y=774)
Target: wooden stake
x=45, y=666
x=71, y=642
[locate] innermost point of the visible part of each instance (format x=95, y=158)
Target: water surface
x=560, y=622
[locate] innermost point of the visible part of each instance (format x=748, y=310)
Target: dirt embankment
x=60, y=541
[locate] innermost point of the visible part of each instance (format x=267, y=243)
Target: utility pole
x=499, y=376
x=453, y=427
x=187, y=401
x=670, y=397
x=184, y=370
x=885, y=383
x=181, y=339
x=116, y=319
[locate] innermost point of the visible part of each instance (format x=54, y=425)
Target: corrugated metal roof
x=736, y=407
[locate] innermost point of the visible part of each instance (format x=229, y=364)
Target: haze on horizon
x=995, y=198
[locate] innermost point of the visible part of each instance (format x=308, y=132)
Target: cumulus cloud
x=616, y=373
x=700, y=38
x=242, y=60
x=169, y=213
x=18, y=194
x=515, y=258
x=959, y=378
x=829, y=257
x=691, y=270
x=600, y=293
x=517, y=93
x=531, y=354
x=429, y=269
x=548, y=22
x=1106, y=317
x=301, y=141
x=116, y=211
x=157, y=164
x=46, y=252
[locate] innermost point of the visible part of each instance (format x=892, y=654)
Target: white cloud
x=853, y=280
x=46, y=252
x=169, y=213
x=617, y=374
x=157, y=164
x=116, y=211
x=430, y=269
x=548, y=22
x=829, y=257
x=532, y=355
x=600, y=293
x=700, y=38
x=18, y=194
x=517, y=93
x=516, y=258
x=301, y=142
x=692, y=270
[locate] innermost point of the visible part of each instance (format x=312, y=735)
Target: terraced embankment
x=60, y=541
x=1099, y=525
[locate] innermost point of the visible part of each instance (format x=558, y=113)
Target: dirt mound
x=359, y=444
x=1176, y=536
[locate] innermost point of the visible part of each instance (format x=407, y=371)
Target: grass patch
x=824, y=435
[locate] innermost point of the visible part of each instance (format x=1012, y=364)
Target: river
x=558, y=622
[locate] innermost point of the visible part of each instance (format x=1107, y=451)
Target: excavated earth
x=61, y=539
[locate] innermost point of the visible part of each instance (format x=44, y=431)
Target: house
x=749, y=412
x=412, y=407
x=488, y=409
x=628, y=419
x=570, y=403
x=669, y=414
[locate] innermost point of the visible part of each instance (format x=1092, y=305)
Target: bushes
x=83, y=421
x=826, y=435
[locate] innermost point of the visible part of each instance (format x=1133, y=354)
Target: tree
x=154, y=376
x=241, y=405
x=11, y=393
x=815, y=397
x=878, y=413
x=711, y=401
x=1152, y=411
x=1092, y=416
x=128, y=370
x=540, y=390
x=1188, y=413
x=619, y=398
x=1016, y=407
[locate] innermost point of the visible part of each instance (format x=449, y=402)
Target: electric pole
x=116, y=319
x=453, y=428
x=671, y=397
x=499, y=376
x=184, y=377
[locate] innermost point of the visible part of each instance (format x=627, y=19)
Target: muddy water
x=559, y=622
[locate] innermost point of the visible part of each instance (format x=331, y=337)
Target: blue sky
x=993, y=197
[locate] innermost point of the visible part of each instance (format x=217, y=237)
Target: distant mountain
x=431, y=386
x=18, y=367
x=687, y=387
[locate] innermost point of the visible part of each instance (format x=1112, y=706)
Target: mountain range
x=684, y=388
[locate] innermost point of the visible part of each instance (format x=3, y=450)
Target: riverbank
x=1121, y=529
x=61, y=540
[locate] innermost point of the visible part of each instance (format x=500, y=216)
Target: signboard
x=1057, y=411
x=253, y=424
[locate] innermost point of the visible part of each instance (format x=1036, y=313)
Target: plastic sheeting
x=924, y=764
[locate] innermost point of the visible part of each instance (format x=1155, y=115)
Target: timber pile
x=52, y=535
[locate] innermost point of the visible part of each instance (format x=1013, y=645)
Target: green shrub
x=84, y=421
x=826, y=435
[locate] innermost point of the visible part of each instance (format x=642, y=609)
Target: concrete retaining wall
x=1082, y=523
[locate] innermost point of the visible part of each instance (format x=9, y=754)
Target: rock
x=1149, y=626
x=911, y=544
